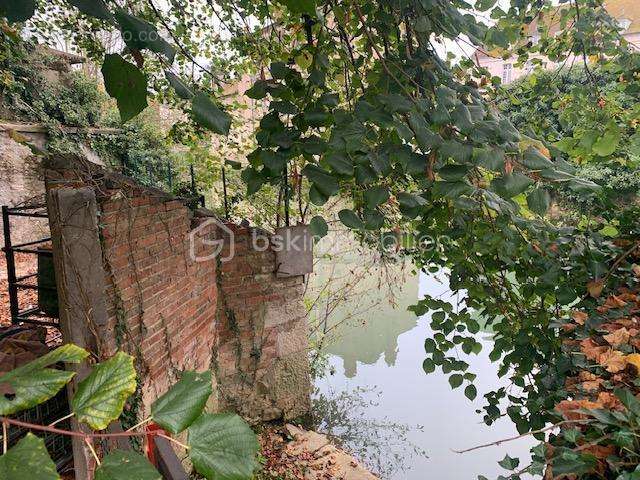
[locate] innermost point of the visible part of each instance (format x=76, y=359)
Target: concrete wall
x=174, y=309
x=21, y=180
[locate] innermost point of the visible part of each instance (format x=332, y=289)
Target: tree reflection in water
x=380, y=444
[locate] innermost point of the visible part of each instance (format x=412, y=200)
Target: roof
x=625, y=9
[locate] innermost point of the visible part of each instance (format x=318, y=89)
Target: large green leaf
x=350, y=219
x=535, y=160
x=608, y=143
x=28, y=460
x=139, y=35
x=539, y=201
x=207, y=114
x=511, y=185
x=326, y=184
x=180, y=87
x=183, y=403
x=318, y=226
x=121, y=465
x=93, y=8
x=17, y=10
x=629, y=400
x=339, y=163
x=33, y=383
x=128, y=85
x=223, y=447
x=376, y=196
x=100, y=397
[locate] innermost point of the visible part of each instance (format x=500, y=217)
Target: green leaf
x=28, y=459
x=509, y=463
x=207, y=114
x=121, y=465
x=253, y=178
x=455, y=380
x=373, y=220
x=452, y=173
x=33, y=383
x=350, y=219
x=140, y=35
x=490, y=158
x=608, y=143
x=93, y=8
x=628, y=400
x=318, y=226
x=511, y=185
x=428, y=366
x=484, y=5
x=128, y=85
x=535, y=160
x=471, y=392
x=101, y=396
x=17, y=10
x=183, y=403
x=409, y=200
x=539, y=201
x=376, y=196
x=322, y=180
x=181, y=88
x=339, y=163
x=223, y=447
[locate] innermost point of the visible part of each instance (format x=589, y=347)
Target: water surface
x=402, y=423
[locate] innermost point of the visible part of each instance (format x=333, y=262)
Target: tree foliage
x=222, y=445
x=360, y=102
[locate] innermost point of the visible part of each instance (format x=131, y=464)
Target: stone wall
x=174, y=308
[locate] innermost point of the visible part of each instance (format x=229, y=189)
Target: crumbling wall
x=262, y=362
x=175, y=306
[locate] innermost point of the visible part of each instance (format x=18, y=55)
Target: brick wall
x=173, y=312
x=161, y=303
x=262, y=364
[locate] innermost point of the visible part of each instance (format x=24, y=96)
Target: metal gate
x=46, y=289
x=43, y=314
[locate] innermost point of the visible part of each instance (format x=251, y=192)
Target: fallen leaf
x=595, y=287
x=614, y=302
x=634, y=359
x=570, y=409
x=612, y=360
x=591, y=349
x=579, y=317
x=619, y=337
x=636, y=270
x=592, y=385
x=609, y=400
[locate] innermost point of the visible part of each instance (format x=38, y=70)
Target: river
x=400, y=422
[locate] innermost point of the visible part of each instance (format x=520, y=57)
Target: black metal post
x=170, y=175
x=11, y=266
x=193, y=181
x=286, y=195
x=224, y=192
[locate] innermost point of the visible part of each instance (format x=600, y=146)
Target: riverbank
x=289, y=452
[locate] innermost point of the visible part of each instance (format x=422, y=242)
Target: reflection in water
x=378, y=393
x=365, y=339
x=382, y=444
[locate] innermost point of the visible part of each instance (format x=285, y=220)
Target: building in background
x=626, y=12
